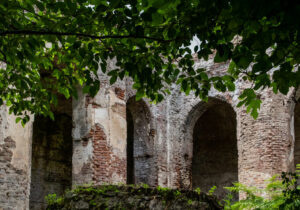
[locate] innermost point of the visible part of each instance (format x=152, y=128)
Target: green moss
x=93, y=203
x=131, y=197
x=177, y=193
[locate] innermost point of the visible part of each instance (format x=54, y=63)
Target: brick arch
x=210, y=146
x=141, y=158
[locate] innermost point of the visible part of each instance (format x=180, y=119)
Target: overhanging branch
x=29, y=32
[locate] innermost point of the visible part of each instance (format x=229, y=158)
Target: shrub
x=281, y=192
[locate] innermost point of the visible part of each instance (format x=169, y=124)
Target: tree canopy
x=51, y=46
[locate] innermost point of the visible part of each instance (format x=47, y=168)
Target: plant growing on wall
x=281, y=192
x=49, y=47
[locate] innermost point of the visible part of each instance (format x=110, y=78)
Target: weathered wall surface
x=263, y=147
x=265, y=144
x=100, y=136
x=82, y=170
x=109, y=139
x=15, y=156
x=140, y=141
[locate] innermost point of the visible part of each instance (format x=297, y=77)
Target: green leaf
x=64, y=91
x=113, y=79
x=18, y=119
x=157, y=19
x=139, y=95
x=55, y=46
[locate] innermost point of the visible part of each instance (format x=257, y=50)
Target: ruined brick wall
x=265, y=146
x=262, y=147
x=105, y=163
x=100, y=136
x=184, y=112
x=14, y=162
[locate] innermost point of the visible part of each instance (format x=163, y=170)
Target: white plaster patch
x=81, y=155
x=102, y=118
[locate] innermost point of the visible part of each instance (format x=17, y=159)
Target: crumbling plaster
x=265, y=145
x=15, y=158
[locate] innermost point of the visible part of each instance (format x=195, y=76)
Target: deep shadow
x=297, y=134
x=130, y=159
x=215, y=155
x=141, y=165
x=51, y=168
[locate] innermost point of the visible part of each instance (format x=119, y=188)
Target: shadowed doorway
x=141, y=166
x=215, y=155
x=51, y=166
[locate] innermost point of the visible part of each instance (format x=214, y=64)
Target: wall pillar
x=99, y=152
x=264, y=144
x=15, y=161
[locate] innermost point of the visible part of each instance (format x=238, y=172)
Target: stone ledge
x=133, y=197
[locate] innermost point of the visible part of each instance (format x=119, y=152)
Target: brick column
x=264, y=144
x=99, y=153
x=15, y=161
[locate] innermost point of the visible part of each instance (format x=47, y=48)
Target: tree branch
x=29, y=32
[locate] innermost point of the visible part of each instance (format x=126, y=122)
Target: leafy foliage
x=212, y=190
x=280, y=193
x=51, y=47
x=53, y=199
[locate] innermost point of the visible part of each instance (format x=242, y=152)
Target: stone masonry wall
x=265, y=146
x=15, y=155
x=100, y=136
x=142, y=143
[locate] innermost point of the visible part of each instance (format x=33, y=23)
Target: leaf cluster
x=51, y=47
x=281, y=192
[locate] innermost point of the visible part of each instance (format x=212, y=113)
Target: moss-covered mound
x=131, y=197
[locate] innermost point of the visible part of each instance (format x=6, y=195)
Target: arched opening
x=297, y=134
x=215, y=155
x=141, y=167
x=51, y=166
